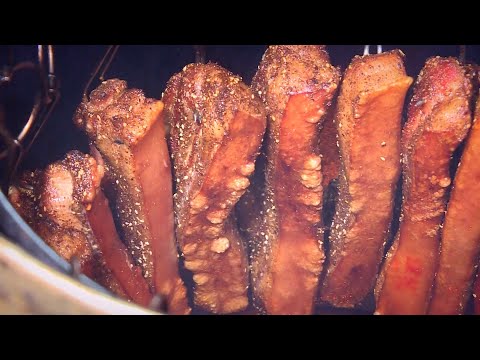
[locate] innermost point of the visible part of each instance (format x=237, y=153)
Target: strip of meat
x=368, y=121
x=116, y=254
x=128, y=131
x=217, y=126
x=284, y=227
x=438, y=120
x=460, y=245
x=63, y=204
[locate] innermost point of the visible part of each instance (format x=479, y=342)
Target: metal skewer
x=366, y=50
x=101, y=68
x=463, y=54
x=200, y=54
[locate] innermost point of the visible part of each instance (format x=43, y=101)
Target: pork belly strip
x=217, y=125
x=58, y=203
x=128, y=131
x=283, y=222
x=368, y=120
x=438, y=120
x=460, y=244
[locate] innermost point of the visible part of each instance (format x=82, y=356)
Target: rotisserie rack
x=311, y=189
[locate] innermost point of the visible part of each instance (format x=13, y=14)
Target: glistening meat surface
x=217, y=125
x=283, y=222
x=128, y=131
x=368, y=121
x=460, y=245
x=58, y=202
x=438, y=120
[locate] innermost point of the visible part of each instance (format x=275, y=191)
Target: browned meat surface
x=282, y=215
x=438, y=120
x=116, y=255
x=368, y=120
x=56, y=203
x=217, y=125
x=128, y=131
x=460, y=245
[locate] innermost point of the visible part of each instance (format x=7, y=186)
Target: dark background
x=149, y=67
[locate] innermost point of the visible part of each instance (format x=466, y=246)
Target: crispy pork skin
x=368, y=121
x=128, y=131
x=281, y=215
x=460, y=244
x=438, y=120
x=217, y=125
x=60, y=203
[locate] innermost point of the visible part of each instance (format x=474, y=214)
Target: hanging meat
x=438, y=120
x=460, y=244
x=66, y=207
x=217, y=125
x=127, y=131
x=282, y=215
x=368, y=120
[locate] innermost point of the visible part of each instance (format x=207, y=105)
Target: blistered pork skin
x=283, y=222
x=128, y=131
x=438, y=120
x=460, y=244
x=368, y=120
x=58, y=203
x=217, y=125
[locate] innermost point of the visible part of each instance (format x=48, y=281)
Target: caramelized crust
x=217, y=125
x=283, y=222
x=368, y=120
x=128, y=131
x=55, y=203
x=438, y=120
x=460, y=245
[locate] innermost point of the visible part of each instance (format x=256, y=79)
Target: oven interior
x=146, y=67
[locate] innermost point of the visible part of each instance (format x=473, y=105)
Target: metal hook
x=101, y=68
x=200, y=54
x=463, y=54
x=366, y=50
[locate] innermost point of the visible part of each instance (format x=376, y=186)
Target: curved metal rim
x=20, y=232
x=29, y=286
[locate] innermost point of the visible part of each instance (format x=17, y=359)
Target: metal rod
x=107, y=65
x=200, y=54
x=51, y=68
x=379, y=49
x=40, y=56
x=463, y=54
x=105, y=61
x=31, y=118
x=366, y=50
